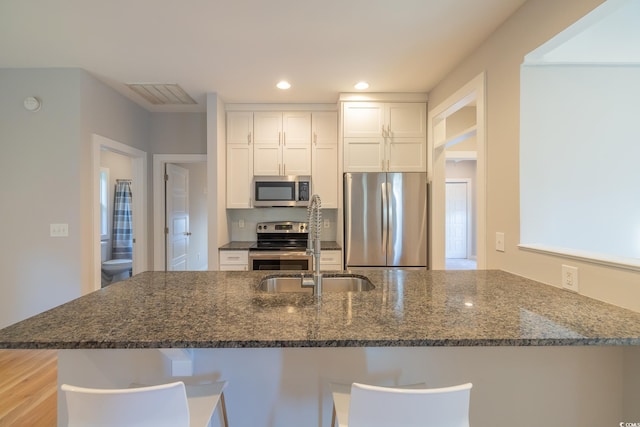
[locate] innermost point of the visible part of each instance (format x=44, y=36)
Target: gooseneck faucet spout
x=314, y=218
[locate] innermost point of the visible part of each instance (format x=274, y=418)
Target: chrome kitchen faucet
x=314, y=219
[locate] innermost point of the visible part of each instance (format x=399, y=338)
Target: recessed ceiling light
x=283, y=85
x=361, y=85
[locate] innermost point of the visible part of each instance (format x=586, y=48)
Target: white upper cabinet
x=406, y=120
x=324, y=137
x=385, y=137
x=363, y=119
x=239, y=127
x=239, y=159
x=282, y=143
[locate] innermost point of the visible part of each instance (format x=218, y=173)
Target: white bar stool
x=170, y=404
x=361, y=405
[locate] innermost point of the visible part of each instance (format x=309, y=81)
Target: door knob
x=187, y=233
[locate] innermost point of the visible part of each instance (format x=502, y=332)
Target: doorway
x=103, y=148
x=460, y=246
x=457, y=134
x=180, y=212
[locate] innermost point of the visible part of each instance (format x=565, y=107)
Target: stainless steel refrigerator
x=385, y=219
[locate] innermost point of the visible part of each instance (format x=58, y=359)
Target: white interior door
x=456, y=220
x=177, y=214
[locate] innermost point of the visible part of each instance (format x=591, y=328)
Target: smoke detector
x=162, y=93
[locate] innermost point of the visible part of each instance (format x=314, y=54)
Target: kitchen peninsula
x=279, y=351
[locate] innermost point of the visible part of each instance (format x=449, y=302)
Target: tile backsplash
x=251, y=217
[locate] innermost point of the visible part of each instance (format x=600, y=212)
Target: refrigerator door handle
x=390, y=236
x=384, y=222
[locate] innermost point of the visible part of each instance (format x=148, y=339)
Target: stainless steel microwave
x=281, y=191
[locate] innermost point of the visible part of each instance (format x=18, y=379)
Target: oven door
x=279, y=260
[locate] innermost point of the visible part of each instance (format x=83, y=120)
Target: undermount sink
x=333, y=283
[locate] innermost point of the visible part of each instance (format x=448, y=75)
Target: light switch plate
x=326, y=223
x=59, y=230
x=500, y=242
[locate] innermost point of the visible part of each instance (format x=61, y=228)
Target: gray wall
x=45, y=168
x=40, y=175
x=178, y=133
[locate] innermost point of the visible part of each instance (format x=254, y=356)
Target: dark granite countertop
x=237, y=246
x=245, y=246
x=407, y=308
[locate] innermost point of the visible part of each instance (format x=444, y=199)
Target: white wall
x=579, y=166
x=501, y=56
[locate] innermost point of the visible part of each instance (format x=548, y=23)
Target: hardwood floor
x=28, y=388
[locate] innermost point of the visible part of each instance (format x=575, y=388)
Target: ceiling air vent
x=162, y=94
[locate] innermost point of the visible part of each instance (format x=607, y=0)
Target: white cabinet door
x=406, y=120
x=239, y=159
x=296, y=160
x=267, y=160
x=406, y=155
x=297, y=128
x=363, y=119
x=239, y=127
x=324, y=181
x=296, y=150
x=239, y=175
x=324, y=127
x=364, y=154
x=267, y=127
x=267, y=151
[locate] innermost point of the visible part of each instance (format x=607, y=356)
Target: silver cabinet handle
x=249, y=138
x=315, y=138
x=284, y=138
x=383, y=131
x=187, y=233
x=279, y=137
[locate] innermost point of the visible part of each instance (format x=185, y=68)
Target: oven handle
x=278, y=255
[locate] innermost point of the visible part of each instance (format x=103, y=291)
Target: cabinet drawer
x=330, y=257
x=234, y=257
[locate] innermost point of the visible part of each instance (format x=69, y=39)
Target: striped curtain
x=122, y=222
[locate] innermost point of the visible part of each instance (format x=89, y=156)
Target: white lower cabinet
x=234, y=260
x=331, y=260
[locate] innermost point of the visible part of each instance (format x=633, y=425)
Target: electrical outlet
x=570, y=278
x=500, y=242
x=59, y=230
x=241, y=223
x=326, y=223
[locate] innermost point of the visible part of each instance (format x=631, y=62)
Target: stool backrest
x=162, y=405
x=373, y=406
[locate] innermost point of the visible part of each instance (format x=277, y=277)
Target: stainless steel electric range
x=281, y=245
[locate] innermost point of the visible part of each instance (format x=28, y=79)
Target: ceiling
x=240, y=49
